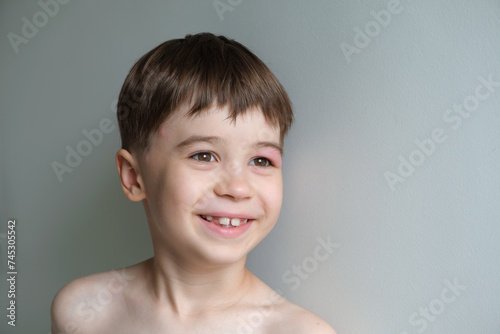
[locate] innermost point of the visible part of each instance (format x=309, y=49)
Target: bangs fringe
x=200, y=71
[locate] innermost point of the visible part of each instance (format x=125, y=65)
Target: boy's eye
x=261, y=162
x=203, y=157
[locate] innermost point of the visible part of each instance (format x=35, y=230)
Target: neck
x=194, y=291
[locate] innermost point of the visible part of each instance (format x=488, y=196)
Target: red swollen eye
x=261, y=162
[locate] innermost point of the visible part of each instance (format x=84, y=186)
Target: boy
x=202, y=122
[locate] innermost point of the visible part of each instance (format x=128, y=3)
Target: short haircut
x=200, y=71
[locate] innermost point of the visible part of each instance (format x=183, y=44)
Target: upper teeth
x=226, y=221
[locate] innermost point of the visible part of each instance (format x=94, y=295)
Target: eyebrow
x=199, y=139
x=218, y=140
x=270, y=144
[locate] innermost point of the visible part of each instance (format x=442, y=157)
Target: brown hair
x=199, y=70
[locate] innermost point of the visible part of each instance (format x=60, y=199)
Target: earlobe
x=130, y=177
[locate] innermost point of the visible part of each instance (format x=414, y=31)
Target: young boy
x=202, y=122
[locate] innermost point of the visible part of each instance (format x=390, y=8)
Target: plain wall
x=407, y=222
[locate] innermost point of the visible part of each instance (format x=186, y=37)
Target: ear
x=130, y=177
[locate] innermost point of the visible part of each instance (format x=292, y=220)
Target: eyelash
x=269, y=163
x=196, y=155
x=203, y=153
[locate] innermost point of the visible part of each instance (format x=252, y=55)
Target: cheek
x=169, y=191
x=272, y=194
x=191, y=189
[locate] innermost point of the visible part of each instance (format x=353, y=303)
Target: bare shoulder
x=308, y=322
x=301, y=321
x=283, y=316
x=86, y=304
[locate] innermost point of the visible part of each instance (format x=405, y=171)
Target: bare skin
x=83, y=306
x=197, y=281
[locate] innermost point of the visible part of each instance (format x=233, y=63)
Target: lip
x=227, y=215
x=225, y=232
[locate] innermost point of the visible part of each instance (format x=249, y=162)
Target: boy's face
x=200, y=171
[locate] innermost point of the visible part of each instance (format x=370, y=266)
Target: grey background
x=353, y=121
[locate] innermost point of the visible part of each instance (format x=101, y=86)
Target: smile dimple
x=224, y=221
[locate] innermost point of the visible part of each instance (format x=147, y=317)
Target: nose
x=233, y=183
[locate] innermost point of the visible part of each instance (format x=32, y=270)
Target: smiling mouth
x=225, y=222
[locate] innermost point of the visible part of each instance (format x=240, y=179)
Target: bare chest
x=254, y=322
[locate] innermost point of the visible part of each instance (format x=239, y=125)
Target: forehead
x=217, y=121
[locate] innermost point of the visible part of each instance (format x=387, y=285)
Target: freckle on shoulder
x=306, y=322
